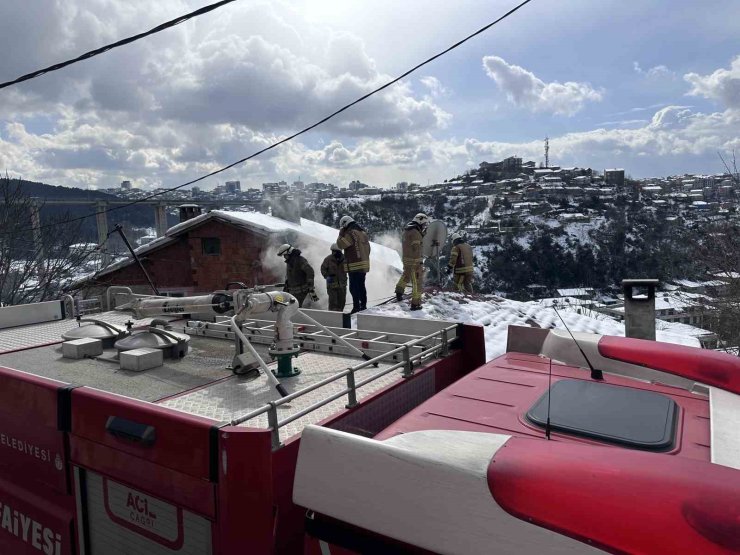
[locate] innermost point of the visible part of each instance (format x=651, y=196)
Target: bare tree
x=731, y=167
x=36, y=261
x=718, y=249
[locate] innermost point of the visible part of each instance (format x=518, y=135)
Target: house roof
x=263, y=224
x=575, y=291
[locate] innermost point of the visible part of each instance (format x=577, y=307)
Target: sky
x=652, y=86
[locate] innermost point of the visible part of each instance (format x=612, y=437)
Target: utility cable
x=310, y=127
x=122, y=42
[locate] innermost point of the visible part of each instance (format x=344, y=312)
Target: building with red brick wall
x=207, y=252
x=198, y=258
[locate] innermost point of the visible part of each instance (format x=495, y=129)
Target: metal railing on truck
x=438, y=348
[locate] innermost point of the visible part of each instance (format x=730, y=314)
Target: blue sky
x=652, y=86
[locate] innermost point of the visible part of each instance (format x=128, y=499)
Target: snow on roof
x=314, y=230
x=727, y=274
x=690, y=284
x=678, y=301
x=576, y=291
x=681, y=329
x=262, y=223
x=561, y=301
x=496, y=314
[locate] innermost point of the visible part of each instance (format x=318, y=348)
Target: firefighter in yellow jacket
x=461, y=262
x=356, y=245
x=334, y=270
x=298, y=274
x=412, y=260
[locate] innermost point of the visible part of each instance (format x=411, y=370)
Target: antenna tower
x=547, y=152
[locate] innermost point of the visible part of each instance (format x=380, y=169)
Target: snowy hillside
x=496, y=314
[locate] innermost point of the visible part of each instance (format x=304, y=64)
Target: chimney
x=189, y=211
x=639, y=308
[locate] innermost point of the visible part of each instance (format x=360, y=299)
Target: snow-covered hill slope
x=497, y=314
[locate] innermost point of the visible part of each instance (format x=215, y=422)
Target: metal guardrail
x=92, y=305
x=80, y=307
x=70, y=306
x=407, y=363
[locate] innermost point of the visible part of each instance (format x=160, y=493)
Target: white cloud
x=191, y=99
x=524, y=88
x=655, y=72
x=436, y=89
x=101, y=153
x=623, y=122
x=203, y=94
x=722, y=85
x=674, y=135
x=672, y=117
x=243, y=65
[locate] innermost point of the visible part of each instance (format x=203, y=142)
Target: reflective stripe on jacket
x=335, y=269
x=412, y=245
x=461, y=258
x=353, y=240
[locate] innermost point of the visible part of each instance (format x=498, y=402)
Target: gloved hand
x=313, y=295
x=448, y=269
x=329, y=279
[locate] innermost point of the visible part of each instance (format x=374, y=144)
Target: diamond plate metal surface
x=236, y=396
x=35, y=335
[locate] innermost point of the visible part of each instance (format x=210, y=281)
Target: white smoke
x=390, y=239
x=312, y=250
x=380, y=282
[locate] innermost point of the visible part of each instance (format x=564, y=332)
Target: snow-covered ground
x=496, y=314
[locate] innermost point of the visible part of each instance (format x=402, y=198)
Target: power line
x=305, y=129
x=129, y=40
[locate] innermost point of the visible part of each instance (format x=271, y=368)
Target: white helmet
x=284, y=249
x=421, y=219
x=335, y=247
x=345, y=221
x=456, y=236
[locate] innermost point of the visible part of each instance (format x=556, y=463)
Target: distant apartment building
x=705, y=181
x=233, y=186
x=125, y=185
x=275, y=188
x=356, y=185
x=195, y=191
x=510, y=164
x=402, y=187
x=614, y=177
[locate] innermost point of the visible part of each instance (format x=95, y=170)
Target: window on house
x=211, y=246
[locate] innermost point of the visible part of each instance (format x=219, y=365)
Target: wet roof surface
x=206, y=362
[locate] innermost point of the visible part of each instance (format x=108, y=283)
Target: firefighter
x=412, y=260
x=334, y=270
x=298, y=274
x=461, y=261
x=353, y=240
